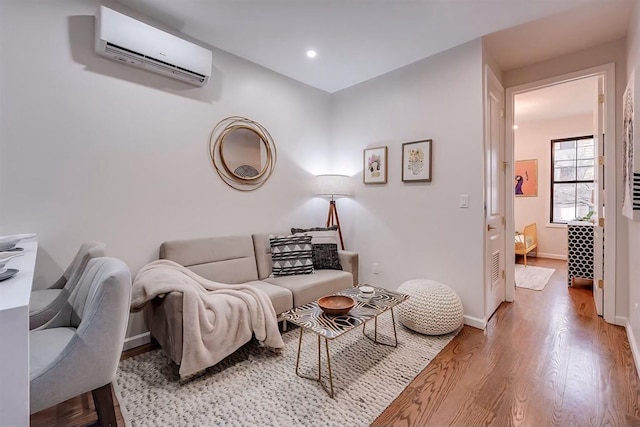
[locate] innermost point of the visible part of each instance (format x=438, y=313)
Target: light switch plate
x=464, y=201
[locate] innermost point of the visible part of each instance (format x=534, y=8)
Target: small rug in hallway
x=532, y=277
x=255, y=386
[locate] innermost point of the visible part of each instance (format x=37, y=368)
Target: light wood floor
x=545, y=360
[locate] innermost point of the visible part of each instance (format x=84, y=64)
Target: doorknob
x=490, y=227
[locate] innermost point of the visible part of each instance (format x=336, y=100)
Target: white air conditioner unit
x=129, y=41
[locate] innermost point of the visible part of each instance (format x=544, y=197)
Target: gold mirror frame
x=216, y=144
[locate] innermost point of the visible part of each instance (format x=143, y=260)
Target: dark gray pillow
x=325, y=257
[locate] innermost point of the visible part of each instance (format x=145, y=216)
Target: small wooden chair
x=527, y=241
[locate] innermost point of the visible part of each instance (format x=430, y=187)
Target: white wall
x=614, y=52
x=633, y=227
x=533, y=141
x=417, y=230
x=92, y=149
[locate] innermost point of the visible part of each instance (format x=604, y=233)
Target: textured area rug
x=532, y=277
x=255, y=386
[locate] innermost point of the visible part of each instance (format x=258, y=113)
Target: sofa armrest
x=163, y=316
x=349, y=262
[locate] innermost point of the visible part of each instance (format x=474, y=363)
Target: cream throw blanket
x=217, y=318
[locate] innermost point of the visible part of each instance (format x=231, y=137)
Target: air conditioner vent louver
x=128, y=53
x=124, y=39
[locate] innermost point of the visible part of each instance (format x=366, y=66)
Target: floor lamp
x=334, y=186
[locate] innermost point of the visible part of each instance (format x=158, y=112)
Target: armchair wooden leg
x=103, y=400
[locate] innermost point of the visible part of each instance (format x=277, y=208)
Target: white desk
x=14, y=338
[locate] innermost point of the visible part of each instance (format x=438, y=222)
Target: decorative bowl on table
x=336, y=305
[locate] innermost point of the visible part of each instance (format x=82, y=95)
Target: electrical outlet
x=375, y=268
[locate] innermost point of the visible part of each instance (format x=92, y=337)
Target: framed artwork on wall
x=630, y=151
x=526, y=178
x=374, y=169
x=416, y=161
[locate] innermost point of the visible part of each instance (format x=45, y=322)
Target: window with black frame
x=572, y=173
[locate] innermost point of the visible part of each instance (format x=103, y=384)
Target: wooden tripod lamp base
x=333, y=219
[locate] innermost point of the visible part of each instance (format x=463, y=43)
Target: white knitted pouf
x=432, y=308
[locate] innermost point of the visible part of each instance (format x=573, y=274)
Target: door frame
x=608, y=72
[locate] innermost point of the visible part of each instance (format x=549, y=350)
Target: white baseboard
x=633, y=344
x=552, y=256
x=620, y=321
x=475, y=322
x=137, y=341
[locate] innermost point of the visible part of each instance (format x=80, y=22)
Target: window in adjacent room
x=572, y=173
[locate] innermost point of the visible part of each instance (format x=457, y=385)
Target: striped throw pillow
x=291, y=255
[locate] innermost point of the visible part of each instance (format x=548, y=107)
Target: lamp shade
x=333, y=186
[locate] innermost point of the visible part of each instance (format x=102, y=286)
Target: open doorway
x=555, y=165
x=561, y=147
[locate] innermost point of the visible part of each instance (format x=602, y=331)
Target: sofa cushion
x=281, y=298
x=319, y=235
x=309, y=287
x=291, y=255
x=333, y=228
x=220, y=259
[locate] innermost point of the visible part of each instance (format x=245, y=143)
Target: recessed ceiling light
x=311, y=53
x=515, y=127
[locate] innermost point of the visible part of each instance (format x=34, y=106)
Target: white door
x=494, y=194
x=598, y=198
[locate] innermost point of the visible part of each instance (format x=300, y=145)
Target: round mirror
x=242, y=153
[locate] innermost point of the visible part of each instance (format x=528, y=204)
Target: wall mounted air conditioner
x=129, y=41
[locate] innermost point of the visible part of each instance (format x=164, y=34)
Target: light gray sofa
x=239, y=260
